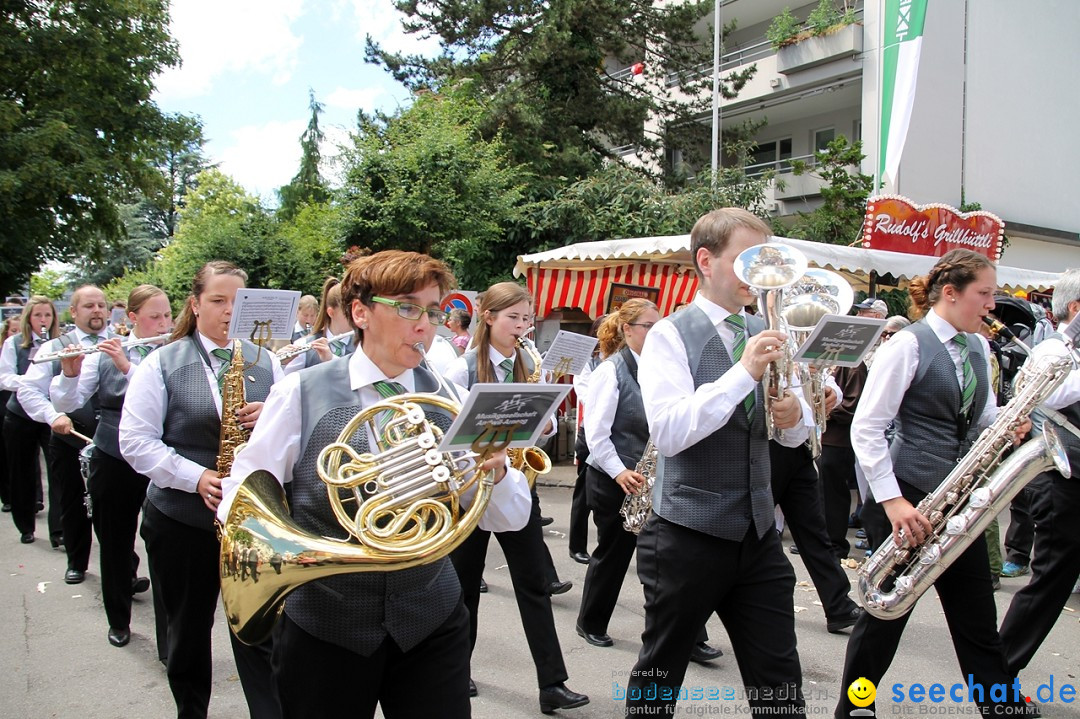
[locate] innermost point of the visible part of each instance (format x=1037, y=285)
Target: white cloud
x=355, y=99
x=381, y=20
x=235, y=35
x=262, y=158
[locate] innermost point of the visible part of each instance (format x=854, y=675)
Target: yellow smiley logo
x=862, y=692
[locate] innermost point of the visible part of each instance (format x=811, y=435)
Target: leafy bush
x=783, y=29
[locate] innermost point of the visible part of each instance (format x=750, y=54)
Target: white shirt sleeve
x=70, y=393
x=9, y=371
x=458, y=373
x=1068, y=392
x=603, y=403
x=34, y=390
x=889, y=379
x=142, y=424
x=297, y=363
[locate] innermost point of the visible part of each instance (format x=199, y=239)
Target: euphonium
x=966, y=501
x=399, y=504
x=530, y=461
x=233, y=434
x=637, y=507
x=816, y=294
x=768, y=269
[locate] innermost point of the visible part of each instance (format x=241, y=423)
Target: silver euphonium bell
x=817, y=293
x=768, y=269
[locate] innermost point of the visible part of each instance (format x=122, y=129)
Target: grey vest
x=192, y=425
x=22, y=363
x=931, y=436
x=470, y=363
x=112, y=386
x=629, y=428
x=314, y=359
x=85, y=418
x=357, y=611
x=719, y=486
x=1072, y=413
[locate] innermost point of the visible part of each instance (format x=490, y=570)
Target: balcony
x=814, y=51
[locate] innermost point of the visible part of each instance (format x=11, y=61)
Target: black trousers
x=610, y=559
x=1020, y=536
x=117, y=493
x=526, y=557
x=795, y=490
x=185, y=572
x=837, y=465
x=687, y=576
x=578, y=535
x=24, y=439
x=1054, y=570
x=968, y=602
x=73, y=518
x=431, y=679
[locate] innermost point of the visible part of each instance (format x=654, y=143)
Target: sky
x=247, y=67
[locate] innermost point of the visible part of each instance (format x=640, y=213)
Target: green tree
x=76, y=121
x=310, y=248
x=426, y=180
x=838, y=221
x=50, y=283
x=556, y=79
x=308, y=186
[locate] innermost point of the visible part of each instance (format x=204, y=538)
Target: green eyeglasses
x=413, y=312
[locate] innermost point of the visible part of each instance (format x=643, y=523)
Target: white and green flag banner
x=900, y=69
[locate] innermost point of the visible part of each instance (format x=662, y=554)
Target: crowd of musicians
x=690, y=383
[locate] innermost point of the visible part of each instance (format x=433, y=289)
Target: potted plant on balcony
x=825, y=19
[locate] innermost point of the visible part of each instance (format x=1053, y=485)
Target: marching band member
x=1056, y=566
x=578, y=535
x=709, y=545
x=117, y=492
x=374, y=632
x=932, y=378
x=330, y=322
x=170, y=432
x=90, y=313
x=306, y=312
x=505, y=314
x=24, y=437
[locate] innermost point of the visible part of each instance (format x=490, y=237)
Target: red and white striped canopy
x=588, y=290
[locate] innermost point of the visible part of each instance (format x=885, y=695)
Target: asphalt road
x=56, y=661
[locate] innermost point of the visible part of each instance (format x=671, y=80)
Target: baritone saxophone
x=637, y=507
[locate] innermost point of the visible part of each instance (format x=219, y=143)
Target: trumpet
x=79, y=351
x=287, y=353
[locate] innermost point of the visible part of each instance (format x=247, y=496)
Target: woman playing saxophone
x=932, y=378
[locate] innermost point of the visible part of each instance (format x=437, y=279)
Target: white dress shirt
x=603, y=403
x=275, y=446
x=458, y=373
x=1069, y=391
x=890, y=377
x=680, y=416
x=70, y=393
x=300, y=361
x=10, y=379
x=441, y=354
x=34, y=390
x=142, y=422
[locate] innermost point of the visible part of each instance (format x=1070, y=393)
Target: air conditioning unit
x=772, y=206
x=774, y=82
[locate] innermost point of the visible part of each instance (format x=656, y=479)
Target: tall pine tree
x=308, y=187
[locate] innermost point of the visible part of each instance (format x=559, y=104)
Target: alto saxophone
x=637, y=507
x=530, y=461
x=966, y=501
x=233, y=434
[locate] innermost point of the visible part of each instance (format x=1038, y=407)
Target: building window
x=823, y=137
x=770, y=155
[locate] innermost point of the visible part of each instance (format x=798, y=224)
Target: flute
x=287, y=354
x=65, y=353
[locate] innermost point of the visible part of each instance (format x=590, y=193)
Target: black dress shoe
x=545, y=521
x=27, y=538
x=74, y=576
x=702, y=653
x=557, y=696
x=559, y=588
x=597, y=640
x=40, y=507
x=472, y=687
x=140, y=585
x=119, y=637
x=839, y=624
x=57, y=541
x=483, y=586
x=580, y=557
x=793, y=549
x=5, y=508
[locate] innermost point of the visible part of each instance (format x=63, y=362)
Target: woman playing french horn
x=373, y=633
x=932, y=379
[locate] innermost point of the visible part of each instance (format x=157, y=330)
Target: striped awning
x=588, y=290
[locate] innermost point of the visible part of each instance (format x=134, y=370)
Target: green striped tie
x=144, y=350
x=967, y=391
x=388, y=389
x=507, y=366
x=94, y=338
x=337, y=347
x=226, y=357
x=738, y=326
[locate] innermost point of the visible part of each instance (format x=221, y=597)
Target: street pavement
x=56, y=661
